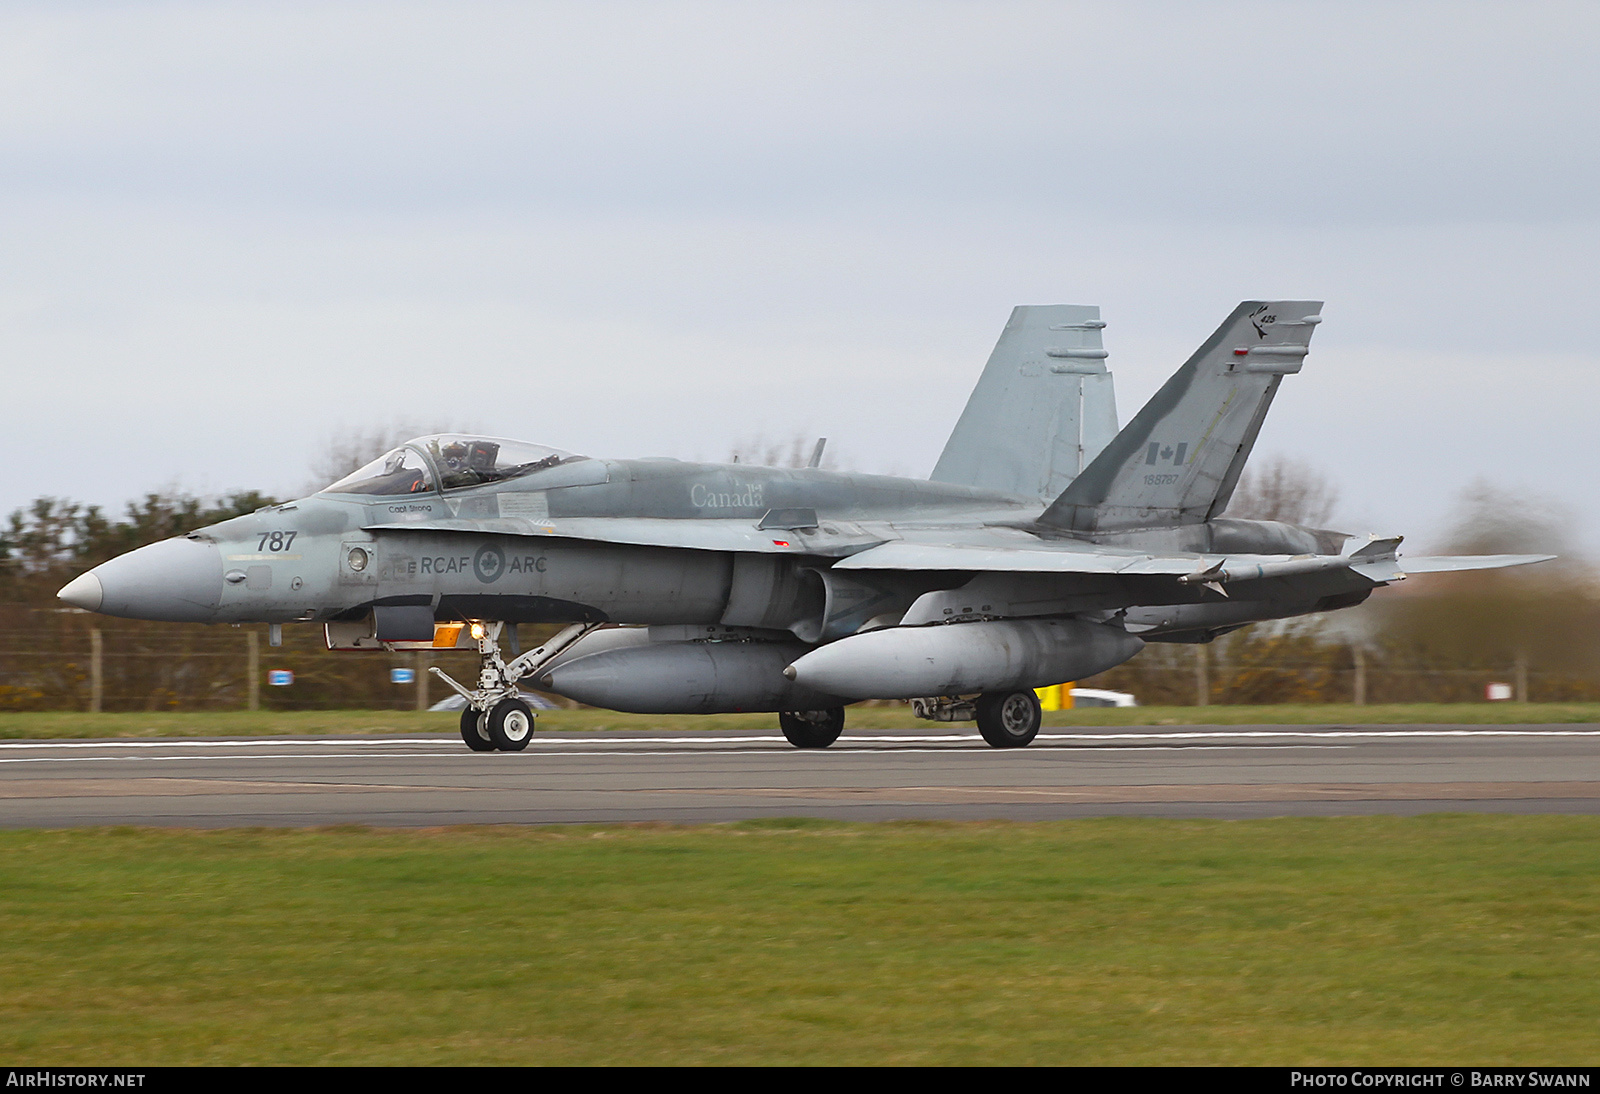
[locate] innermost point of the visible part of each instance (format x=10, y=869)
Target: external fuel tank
x=962, y=658
x=688, y=678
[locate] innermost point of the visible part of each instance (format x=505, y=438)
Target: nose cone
x=176, y=581
x=84, y=592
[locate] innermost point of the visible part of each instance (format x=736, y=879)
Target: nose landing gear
x=496, y=718
x=473, y=731
x=510, y=725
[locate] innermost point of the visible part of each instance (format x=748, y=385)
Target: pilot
x=453, y=456
x=467, y=463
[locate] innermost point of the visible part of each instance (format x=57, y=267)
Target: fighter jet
x=1046, y=546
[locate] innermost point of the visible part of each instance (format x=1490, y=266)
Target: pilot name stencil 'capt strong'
x=1047, y=545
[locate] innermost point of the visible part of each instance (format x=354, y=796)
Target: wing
x=1005, y=556
x=880, y=546
x=828, y=538
x=1375, y=560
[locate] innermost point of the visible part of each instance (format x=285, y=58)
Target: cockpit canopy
x=449, y=461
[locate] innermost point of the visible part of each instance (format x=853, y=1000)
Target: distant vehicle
x=1098, y=697
x=1046, y=546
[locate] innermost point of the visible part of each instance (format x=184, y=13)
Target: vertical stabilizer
x=1179, y=459
x=1042, y=410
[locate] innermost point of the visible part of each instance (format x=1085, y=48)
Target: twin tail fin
x=1177, y=462
x=1042, y=410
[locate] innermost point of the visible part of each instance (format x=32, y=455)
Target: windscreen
x=399, y=472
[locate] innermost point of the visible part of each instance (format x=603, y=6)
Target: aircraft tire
x=510, y=725
x=812, y=728
x=1009, y=719
x=473, y=733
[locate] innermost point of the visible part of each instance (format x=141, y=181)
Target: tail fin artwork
x=1041, y=411
x=1179, y=459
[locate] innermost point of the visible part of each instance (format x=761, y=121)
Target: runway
x=939, y=773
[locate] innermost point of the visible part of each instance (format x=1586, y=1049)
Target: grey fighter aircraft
x=1046, y=546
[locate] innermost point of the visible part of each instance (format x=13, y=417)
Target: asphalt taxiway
x=938, y=773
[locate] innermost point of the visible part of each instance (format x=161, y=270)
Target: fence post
x=1522, y=677
x=1202, y=676
x=1361, y=674
x=96, y=671
x=420, y=662
x=254, y=641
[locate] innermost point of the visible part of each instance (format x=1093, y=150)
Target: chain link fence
x=60, y=661
x=63, y=660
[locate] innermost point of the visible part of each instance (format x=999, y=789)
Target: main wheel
x=473, y=731
x=812, y=728
x=510, y=725
x=1008, y=719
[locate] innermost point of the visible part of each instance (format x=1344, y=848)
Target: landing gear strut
x=496, y=717
x=812, y=728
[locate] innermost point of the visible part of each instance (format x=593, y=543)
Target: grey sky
x=231, y=230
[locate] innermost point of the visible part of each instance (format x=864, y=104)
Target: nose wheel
x=509, y=725
x=473, y=731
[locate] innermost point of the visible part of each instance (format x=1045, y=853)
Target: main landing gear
x=496, y=718
x=1006, y=719
x=812, y=728
x=1009, y=719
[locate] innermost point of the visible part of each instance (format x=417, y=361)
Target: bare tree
x=1284, y=489
x=1545, y=616
x=1491, y=519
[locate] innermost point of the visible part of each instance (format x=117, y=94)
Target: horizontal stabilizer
x=1440, y=564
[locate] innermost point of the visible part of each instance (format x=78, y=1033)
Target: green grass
x=1313, y=941
x=49, y=724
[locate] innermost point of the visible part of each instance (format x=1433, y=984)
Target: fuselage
x=539, y=548
x=417, y=538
